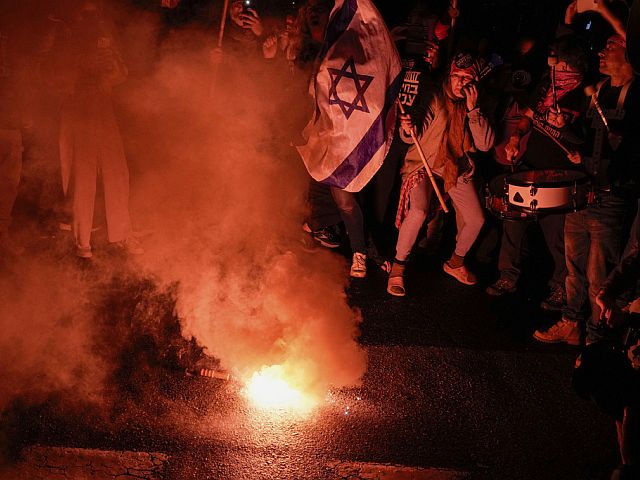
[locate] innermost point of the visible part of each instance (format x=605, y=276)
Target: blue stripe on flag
x=337, y=26
x=370, y=143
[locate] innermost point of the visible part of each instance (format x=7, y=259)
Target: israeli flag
x=355, y=86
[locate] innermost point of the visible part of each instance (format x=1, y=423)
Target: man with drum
x=611, y=157
x=555, y=137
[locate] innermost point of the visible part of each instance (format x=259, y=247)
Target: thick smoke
x=226, y=201
x=47, y=340
x=221, y=197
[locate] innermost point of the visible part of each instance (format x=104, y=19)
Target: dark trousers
x=324, y=212
x=511, y=249
x=381, y=199
x=351, y=214
x=593, y=243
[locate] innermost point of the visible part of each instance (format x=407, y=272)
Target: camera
x=520, y=79
x=292, y=7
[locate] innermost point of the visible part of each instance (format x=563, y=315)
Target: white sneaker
x=358, y=265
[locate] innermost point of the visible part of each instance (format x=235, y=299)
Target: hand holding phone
x=470, y=92
x=251, y=19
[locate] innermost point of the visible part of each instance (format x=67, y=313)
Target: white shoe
x=359, y=265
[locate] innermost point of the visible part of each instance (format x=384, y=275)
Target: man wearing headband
x=453, y=130
x=611, y=157
x=554, y=140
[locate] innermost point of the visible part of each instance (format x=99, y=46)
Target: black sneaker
x=324, y=236
x=501, y=287
x=556, y=299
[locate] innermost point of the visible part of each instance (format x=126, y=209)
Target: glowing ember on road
x=269, y=389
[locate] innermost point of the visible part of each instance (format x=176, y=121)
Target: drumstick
x=552, y=61
x=590, y=91
x=555, y=140
x=426, y=165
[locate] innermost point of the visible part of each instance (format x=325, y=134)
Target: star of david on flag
x=361, y=83
x=355, y=87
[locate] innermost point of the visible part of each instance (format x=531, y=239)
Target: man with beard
x=453, y=129
x=611, y=156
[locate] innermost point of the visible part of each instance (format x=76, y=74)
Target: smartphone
x=586, y=5
x=246, y=5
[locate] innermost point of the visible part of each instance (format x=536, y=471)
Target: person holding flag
x=354, y=86
x=454, y=128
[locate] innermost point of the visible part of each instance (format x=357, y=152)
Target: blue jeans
x=592, y=240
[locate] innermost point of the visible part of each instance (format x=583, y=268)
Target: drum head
x=499, y=206
x=547, y=178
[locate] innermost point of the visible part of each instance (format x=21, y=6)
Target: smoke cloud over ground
x=220, y=197
x=47, y=335
x=226, y=204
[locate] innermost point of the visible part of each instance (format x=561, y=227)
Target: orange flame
x=270, y=389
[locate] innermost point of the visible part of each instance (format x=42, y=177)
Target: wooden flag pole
x=454, y=4
x=426, y=165
x=223, y=21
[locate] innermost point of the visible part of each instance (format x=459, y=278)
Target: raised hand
x=555, y=118
x=512, y=148
x=251, y=20
x=270, y=46
x=471, y=95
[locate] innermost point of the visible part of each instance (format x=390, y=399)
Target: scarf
x=454, y=143
x=565, y=82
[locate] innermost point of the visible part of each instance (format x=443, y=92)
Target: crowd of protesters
x=568, y=111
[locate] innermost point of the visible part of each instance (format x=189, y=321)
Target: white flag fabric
x=355, y=87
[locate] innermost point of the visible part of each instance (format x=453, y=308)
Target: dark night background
x=499, y=21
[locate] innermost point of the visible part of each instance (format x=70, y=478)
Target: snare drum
x=496, y=201
x=548, y=191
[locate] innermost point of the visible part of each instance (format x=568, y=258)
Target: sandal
x=395, y=286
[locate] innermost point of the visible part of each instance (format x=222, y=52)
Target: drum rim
x=514, y=180
x=498, y=179
x=549, y=210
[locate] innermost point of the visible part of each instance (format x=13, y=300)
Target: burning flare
x=270, y=389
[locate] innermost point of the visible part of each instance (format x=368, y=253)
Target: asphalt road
x=453, y=382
